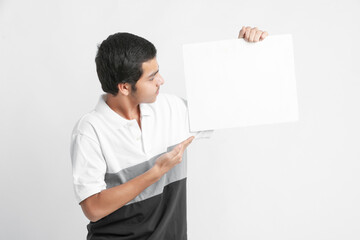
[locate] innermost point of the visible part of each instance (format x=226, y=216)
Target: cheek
x=151, y=86
x=146, y=88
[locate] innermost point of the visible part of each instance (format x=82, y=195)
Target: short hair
x=119, y=60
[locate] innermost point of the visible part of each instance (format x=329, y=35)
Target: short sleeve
x=88, y=166
x=197, y=134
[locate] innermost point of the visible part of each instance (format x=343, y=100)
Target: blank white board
x=234, y=83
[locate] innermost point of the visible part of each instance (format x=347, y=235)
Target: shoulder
x=85, y=126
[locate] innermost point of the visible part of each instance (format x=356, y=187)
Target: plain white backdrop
x=295, y=180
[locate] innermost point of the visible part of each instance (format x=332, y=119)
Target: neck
x=125, y=106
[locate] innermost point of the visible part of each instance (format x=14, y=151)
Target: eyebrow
x=153, y=74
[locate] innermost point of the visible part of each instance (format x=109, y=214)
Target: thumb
x=242, y=32
x=175, y=151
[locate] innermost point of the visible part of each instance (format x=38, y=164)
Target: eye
x=151, y=79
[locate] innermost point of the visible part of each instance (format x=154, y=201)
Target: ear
x=124, y=88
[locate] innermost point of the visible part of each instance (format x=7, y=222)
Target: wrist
x=156, y=172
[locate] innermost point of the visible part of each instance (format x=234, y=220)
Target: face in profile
x=148, y=86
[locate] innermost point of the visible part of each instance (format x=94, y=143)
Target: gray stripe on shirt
x=178, y=172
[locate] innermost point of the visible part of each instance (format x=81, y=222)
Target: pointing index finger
x=187, y=142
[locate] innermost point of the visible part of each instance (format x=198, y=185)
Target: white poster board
x=234, y=83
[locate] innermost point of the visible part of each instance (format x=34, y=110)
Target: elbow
x=92, y=216
x=90, y=210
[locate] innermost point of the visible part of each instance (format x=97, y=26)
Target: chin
x=151, y=100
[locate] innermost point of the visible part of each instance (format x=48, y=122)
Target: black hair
x=119, y=60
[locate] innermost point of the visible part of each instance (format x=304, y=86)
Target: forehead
x=150, y=66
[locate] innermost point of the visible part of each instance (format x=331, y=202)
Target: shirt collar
x=114, y=118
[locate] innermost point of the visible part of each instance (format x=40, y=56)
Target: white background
x=295, y=180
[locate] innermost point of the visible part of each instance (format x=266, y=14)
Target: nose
x=159, y=79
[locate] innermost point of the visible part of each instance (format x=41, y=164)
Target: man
x=128, y=155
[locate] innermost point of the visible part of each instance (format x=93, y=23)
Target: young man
x=128, y=155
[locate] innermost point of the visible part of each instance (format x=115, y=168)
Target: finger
x=252, y=34
x=188, y=140
x=179, y=154
x=242, y=32
x=175, y=151
x=181, y=146
x=257, y=36
x=263, y=35
x=185, y=144
x=247, y=33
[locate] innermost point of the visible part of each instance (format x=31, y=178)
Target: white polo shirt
x=104, y=144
